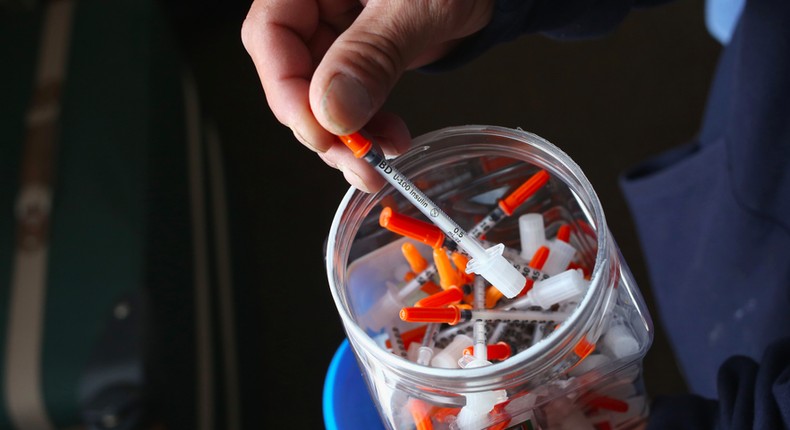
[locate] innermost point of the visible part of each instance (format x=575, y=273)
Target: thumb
x=364, y=63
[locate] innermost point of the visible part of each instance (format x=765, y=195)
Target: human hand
x=327, y=66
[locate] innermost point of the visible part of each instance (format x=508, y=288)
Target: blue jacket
x=722, y=279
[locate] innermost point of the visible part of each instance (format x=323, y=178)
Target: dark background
x=609, y=103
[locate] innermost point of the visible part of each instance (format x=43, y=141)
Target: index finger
x=280, y=37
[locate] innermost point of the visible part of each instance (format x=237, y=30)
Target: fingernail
x=346, y=104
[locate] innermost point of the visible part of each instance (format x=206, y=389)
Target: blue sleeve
x=559, y=19
x=750, y=396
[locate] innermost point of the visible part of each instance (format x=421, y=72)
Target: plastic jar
x=583, y=373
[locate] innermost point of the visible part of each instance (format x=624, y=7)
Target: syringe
x=456, y=314
x=488, y=263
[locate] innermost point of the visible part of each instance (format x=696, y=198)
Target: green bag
x=111, y=231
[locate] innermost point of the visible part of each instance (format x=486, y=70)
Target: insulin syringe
x=488, y=263
x=455, y=314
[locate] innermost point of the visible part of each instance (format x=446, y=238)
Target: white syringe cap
x=448, y=357
x=560, y=255
x=498, y=271
x=588, y=364
x=532, y=232
x=475, y=414
x=383, y=312
x=568, y=285
x=618, y=342
x=478, y=405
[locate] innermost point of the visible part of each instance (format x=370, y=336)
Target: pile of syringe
x=462, y=318
x=462, y=321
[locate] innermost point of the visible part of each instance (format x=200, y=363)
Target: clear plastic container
x=583, y=373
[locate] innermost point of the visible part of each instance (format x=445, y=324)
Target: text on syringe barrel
x=424, y=204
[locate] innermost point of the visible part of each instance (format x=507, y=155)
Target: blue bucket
x=347, y=403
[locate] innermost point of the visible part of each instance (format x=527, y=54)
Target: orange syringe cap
x=537, y=262
x=492, y=297
x=442, y=298
x=416, y=261
x=421, y=413
x=448, y=274
x=608, y=403
x=539, y=258
x=409, y=336
x=414, y=228
x=583, y=348
x=564, y=233
x=494, y=352
x=450, y=315
x=460, y=261
x=523, y=192
x=357, y=143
